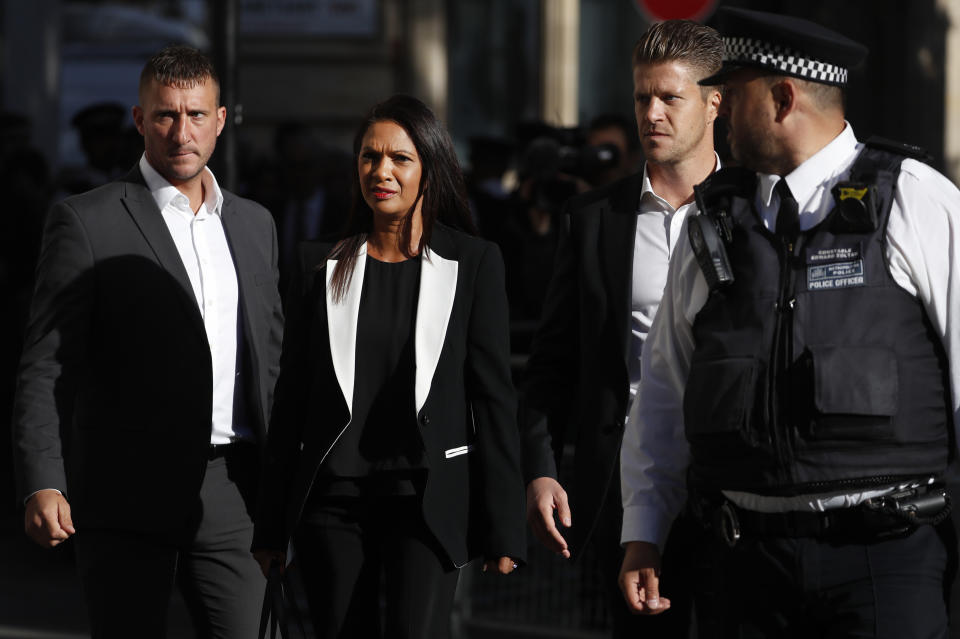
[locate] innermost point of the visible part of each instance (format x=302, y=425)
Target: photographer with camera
x=614, y=139
x=530, y=233
x=608, y=278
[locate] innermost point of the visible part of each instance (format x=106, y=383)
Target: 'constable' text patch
x=834, y=267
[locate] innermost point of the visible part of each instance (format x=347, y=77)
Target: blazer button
x=425, y=419
x=610, y=429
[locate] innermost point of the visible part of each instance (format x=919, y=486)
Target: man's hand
x=640, y=579
x=503, y=565
x=544, y=495
x=266, y=558
x=47, y=519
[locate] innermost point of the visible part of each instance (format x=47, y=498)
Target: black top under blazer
x=473, y=498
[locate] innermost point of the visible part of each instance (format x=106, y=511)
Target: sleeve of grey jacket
x=283, y=437
x=275, y=338
x=53, y=352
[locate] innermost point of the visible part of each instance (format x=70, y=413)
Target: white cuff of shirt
x=643, y=523
x=27, y=498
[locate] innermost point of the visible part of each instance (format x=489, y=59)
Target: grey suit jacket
x=114, y=396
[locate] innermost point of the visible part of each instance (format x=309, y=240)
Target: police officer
x=803, y=348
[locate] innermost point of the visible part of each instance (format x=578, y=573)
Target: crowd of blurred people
x=517, y=190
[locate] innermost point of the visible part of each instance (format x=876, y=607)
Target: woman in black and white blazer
x=393, y=443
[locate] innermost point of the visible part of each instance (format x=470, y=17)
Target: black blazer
x=473, y=500
x=577, y=374
x=113, y=405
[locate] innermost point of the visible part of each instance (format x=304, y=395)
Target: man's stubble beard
x=757, y=152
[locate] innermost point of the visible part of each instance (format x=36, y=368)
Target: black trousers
x=128, y=578
x=677, y=572
x=803, y=588
x=346, y=544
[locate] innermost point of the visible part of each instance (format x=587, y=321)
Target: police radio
x=712, y=230
x=710, y=251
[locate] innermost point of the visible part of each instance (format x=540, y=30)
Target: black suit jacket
x=577, y=374
x=114, y=398
x=473, y=500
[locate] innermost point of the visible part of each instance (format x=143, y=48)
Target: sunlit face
x=749, y=109
x=389, y=170
x=179, y=128
x=673, y=118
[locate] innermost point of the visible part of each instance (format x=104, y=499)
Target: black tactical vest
x=813, y=370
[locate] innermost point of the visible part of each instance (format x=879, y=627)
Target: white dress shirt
x=658, y=227
x=923, y=253
x=205, y=253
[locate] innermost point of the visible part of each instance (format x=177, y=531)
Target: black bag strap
x=279, y=608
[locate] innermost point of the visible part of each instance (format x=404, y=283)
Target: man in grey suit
x=148, y=371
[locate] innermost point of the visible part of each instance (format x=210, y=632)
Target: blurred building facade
x=484, y=65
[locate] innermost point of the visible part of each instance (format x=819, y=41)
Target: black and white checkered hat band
x=783, y=59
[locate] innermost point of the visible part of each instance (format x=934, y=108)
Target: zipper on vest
x=781, y=356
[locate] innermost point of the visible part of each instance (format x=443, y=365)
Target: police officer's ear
x=784, y=94
x=713, y=99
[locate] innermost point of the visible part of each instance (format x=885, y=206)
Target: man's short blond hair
x=691, y=43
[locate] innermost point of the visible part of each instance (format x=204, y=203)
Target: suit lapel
x=143, y=209
x=242, y=250
x=438, y=289
x=619, y=227
x=342, y=325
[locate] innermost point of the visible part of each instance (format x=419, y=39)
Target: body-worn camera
x=710, y=251
x=855, y=210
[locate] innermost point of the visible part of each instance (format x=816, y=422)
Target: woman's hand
x=267, y=557
x=504, y=565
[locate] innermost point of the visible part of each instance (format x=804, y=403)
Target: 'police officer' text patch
x=834, y=267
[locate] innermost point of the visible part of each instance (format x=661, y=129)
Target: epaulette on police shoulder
x=900, y=148
x=734, y=181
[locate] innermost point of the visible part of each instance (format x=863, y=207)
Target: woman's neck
x=385, y=241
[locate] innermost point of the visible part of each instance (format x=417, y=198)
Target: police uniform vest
x=813, y=370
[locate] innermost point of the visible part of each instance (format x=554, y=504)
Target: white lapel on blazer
x=438, y=287
x=342, y=325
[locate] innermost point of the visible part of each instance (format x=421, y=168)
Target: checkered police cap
x=785, y=45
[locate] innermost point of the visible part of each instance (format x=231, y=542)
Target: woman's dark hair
x=441, y=188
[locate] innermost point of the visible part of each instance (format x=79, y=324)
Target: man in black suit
x=148, y=371
x=609, y=276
